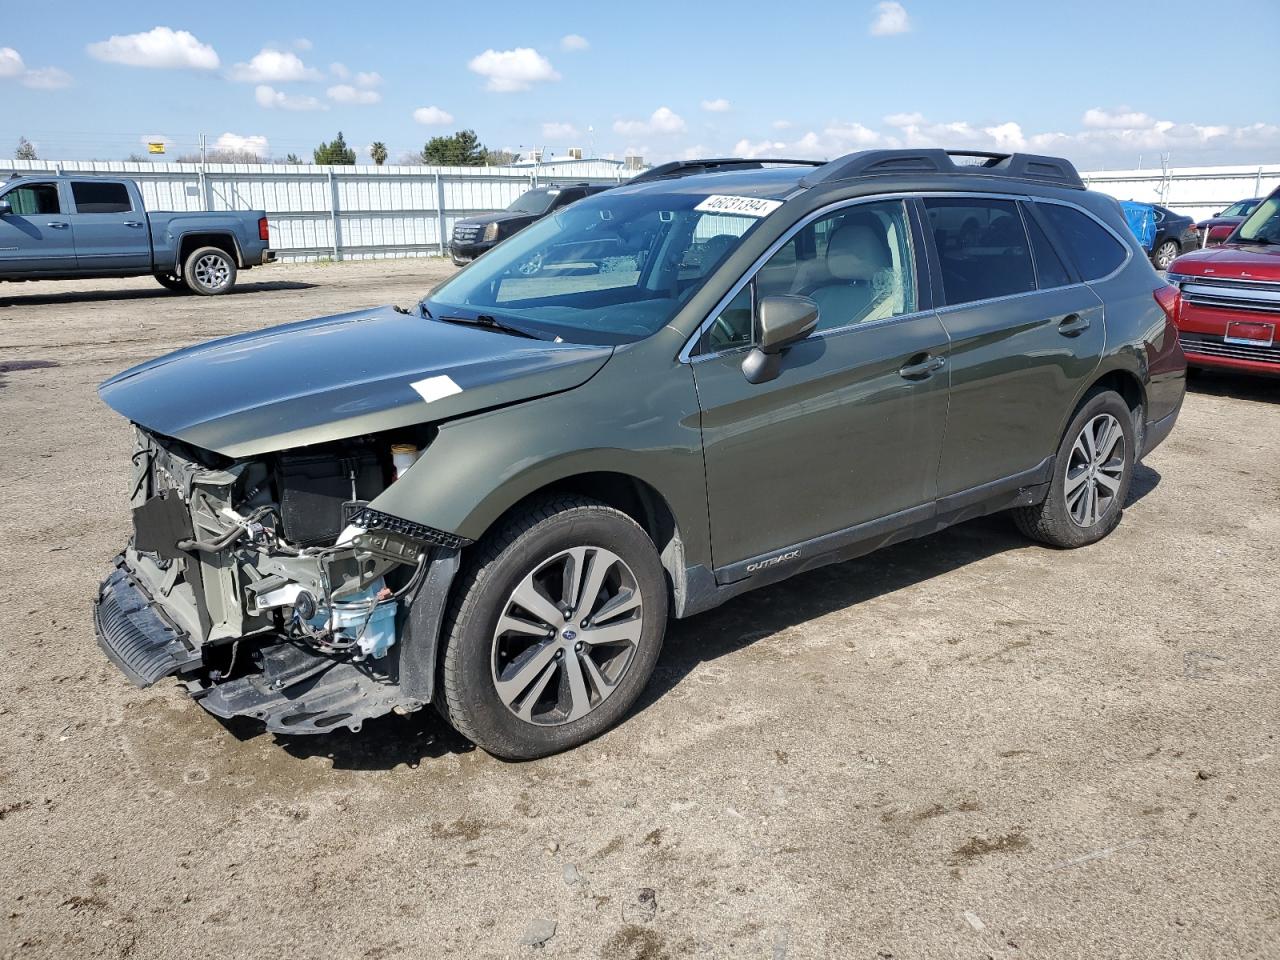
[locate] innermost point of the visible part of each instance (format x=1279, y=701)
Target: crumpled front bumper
x=135, y=634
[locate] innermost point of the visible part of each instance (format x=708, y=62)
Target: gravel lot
x=965, y=746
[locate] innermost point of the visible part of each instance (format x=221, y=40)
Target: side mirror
x=6, y=208
x=784, y=320
x=1218, y=214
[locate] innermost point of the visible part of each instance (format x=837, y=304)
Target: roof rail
x=1013, y=166
x=688, y=168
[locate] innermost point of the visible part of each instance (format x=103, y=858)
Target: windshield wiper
x=492, y=323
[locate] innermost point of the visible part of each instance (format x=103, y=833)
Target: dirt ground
x=965, y=746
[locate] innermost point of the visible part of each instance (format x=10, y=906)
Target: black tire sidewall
x=481, y=713
x=1056, y=503
x=189, y=271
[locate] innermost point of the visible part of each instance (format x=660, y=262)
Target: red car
x=1229, y=308
x=1217, y=228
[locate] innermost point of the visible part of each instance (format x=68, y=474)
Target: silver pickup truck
x=67, y=227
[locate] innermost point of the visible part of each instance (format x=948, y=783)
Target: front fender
x=620, y=422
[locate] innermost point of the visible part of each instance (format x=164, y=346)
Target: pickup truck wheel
x=171, y=281
x=554, y=629
x=210, y=271
x=1091, y=476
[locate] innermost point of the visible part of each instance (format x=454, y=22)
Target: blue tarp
x=1141, y=218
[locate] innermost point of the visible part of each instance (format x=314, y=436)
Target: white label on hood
x=742, y=206
x=436, y=388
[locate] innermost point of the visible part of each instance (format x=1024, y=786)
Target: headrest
x=857, y=251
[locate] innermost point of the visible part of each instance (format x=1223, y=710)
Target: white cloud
x=904, y=119
x=432, y=116
x=46, y=78
x=718, y=105
x=663, y=120
x=160, y=47
x=41, y=78
x=340, y=71
x=781, y=124
x=559, y=131
x=509, y=71
x=303, y=44
x=255, y=144
x=11, y=63
x=345, y=93
x=1121, y=119
x=891, y=17
x=270, y=98
x=572, y=41
x=370, y=79
x=273, y=66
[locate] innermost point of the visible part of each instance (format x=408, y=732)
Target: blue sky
x=1100, y=82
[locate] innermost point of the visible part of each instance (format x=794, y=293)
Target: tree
x=26, y=150
x=378, y=152
x=499, y=158
x=293, y=158
x=463, y=149
x=336, y=151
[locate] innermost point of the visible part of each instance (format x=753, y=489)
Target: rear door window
x=1095, y=251
x=93, y=197
x=1050, y=270
x=983, y=251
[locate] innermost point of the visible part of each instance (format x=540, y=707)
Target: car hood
x=337, y=377
x=502, y=216
x=1231, y=261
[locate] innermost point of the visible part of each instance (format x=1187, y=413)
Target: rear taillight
x=264, y=230
x=1170, y=299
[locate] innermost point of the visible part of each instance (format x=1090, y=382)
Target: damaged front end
x=272, y=588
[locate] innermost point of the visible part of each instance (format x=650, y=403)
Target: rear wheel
x=1091, y=477
x=210, y=271
x=1165, y=254
x=554, y=630
x=172, y=281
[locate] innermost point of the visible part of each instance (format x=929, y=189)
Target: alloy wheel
x=1167, y=253
x=212, y=271
x=1095, y=470
x=567, y=635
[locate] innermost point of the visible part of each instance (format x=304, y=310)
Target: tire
x=1062, y=519
x=210, y=271
x=1165, y=254
x=171, y=281
x=489, y=676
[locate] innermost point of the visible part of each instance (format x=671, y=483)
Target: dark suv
x=493, y=502
x=476, y=235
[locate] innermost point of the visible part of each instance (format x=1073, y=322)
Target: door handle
x=133, y=223
x=1073, y=325
x=921, y=367
x=57, y=225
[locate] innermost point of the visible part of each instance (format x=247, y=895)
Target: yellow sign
x=155, y=147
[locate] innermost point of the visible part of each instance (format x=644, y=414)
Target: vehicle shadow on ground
x=388, y=742
x=1236, y=386
x=105, y=296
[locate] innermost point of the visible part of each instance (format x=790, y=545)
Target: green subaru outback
x=713, y=378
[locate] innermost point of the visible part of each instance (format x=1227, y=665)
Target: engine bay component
x=314, y=487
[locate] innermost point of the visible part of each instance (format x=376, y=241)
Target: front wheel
x=1091, y=477
x=210, y=271
x=1165, y=254
x=554, y=630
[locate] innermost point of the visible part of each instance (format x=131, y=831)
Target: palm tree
x=378, y=151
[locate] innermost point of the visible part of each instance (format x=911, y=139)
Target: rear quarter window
x=1095, y=251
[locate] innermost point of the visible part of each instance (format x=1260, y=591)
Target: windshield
x=533, y=201
x=1238, y=209
x=609, y=269
x=1263, y=225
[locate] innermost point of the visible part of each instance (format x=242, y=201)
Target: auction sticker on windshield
x=743, y=206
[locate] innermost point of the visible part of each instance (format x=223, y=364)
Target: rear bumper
x=1157, y=430
x=268, y=256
